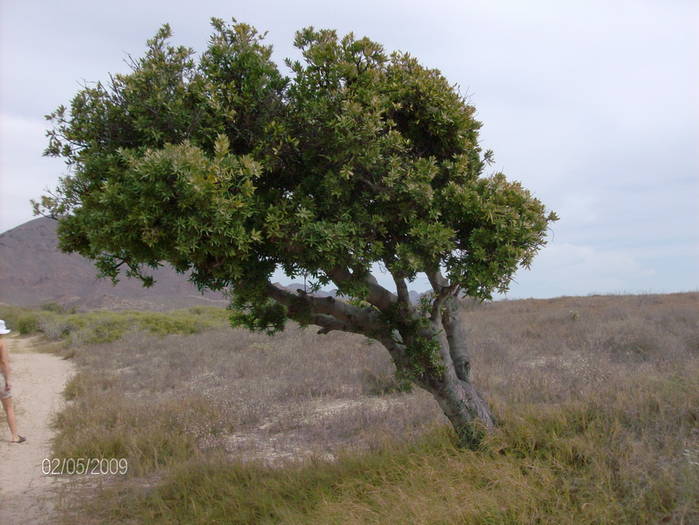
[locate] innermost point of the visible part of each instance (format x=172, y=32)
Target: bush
x=58, y=322
x=58, y=308
x=27, y=324
x=55, y=326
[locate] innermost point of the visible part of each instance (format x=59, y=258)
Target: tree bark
x=456, y=337
x=458, y=398
x=466, y=410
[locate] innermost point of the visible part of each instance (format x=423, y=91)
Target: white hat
x=3, y=328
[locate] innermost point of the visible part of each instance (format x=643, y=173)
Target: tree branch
x=437, y=280
x=378, y=295
x=442, y=290
x=328, y=323
x=328, y=311
x=456, y=337
x=376, y=187
x=402, y=289
x=331, y=314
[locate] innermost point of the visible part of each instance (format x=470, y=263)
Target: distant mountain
x=33, y=271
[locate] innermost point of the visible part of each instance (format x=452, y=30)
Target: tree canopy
x=224, y=167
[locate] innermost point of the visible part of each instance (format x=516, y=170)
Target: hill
x=34, y=271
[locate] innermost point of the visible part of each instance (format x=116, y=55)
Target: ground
x=26, y=494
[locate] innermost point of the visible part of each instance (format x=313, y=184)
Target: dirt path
x=37, y=384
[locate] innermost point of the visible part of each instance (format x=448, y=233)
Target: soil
x=27, y=496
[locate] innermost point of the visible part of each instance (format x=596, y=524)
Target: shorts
x=4, y=394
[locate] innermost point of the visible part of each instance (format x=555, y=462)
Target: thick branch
x=378, y=295
x=396, y=349
x=331, y=314
x=442, y=291
x=328, y=323
x=437, y=280
x=456, y=337
x=402, y=289
x=351, y=318
x=446, y=308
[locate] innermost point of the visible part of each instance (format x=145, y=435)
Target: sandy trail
x=26, y=494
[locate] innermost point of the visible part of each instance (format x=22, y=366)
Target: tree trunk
x=467, y=411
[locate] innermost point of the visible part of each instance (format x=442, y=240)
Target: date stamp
x=80, y=466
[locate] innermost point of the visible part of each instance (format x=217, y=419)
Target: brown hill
x=33, y=271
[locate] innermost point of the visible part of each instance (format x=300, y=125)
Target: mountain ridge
x=34, y=271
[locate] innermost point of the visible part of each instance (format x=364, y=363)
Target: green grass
x=101, y=326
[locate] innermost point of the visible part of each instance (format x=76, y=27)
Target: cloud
x=570, y=269
x=24, y=173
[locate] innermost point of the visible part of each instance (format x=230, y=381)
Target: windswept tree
x=223, y=167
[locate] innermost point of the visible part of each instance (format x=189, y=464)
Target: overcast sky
x=592, y=105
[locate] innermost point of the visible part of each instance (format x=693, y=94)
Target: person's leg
x=10, y=412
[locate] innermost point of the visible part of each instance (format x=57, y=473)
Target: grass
x=579, y=463
x=231, y=391
x=101, y=326
x=597, y=398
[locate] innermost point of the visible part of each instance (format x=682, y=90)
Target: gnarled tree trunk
x=450, y=383
x=476, y=407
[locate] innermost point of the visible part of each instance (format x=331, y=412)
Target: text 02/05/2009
x=69, y=466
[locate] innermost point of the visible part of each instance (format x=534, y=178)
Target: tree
x=223, y=167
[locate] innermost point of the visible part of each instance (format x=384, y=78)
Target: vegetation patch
x=232, y=427
x=102, y=326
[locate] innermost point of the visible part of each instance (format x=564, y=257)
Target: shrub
x=55, y=326
x=27, y=324
x=58, y=308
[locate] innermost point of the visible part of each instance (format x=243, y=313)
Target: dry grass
x=598, y=401
x=254, y=396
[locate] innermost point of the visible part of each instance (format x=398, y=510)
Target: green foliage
x=58, y=308
x=251, y=309
x=422, y=348
x=265, y=316
x=58, y=323
x=27, y=324
x=222, y=166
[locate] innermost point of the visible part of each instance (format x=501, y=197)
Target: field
x=597, y=400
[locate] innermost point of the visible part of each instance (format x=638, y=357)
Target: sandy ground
x=26, y=494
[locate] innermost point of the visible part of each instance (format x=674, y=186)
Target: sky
x=592, y=105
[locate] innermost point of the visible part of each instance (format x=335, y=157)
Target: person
x=6, y=387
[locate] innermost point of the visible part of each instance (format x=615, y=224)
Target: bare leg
x=10, y=411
